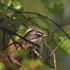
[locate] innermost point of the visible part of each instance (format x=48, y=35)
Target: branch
x=21, y=13
x=13, y=33
x=49, y=20
x=46, y=62
x=56, y=48
x=54, y=57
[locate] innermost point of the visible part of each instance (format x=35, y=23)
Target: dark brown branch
x=15, y=42
x=49, y=20
x=4, y=38
x=13, y=33
x=5, y=45
x=21, y=13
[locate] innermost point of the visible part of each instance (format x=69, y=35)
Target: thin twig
x=15, y=42
x=6, y=15
x=56, y=48
x=54, y=57
x=38, y=54
x=46, y=62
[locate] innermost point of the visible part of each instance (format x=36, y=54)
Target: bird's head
x=35, y=36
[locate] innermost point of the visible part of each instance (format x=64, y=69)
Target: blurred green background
x=21, y=15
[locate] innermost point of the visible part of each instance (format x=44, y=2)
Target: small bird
x=34, y=36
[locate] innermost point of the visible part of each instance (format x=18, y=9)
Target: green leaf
x=7, y=2
x=2, y=66
x=52, y=6
x=16, y=5
x=66, y=44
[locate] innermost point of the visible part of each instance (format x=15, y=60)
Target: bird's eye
x=38, y=35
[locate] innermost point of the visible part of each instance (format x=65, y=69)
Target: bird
x=34, y=36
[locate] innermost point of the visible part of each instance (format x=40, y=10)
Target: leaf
x=16, y=5
x=66, y=44
x=54, y=6
x=7, y=2
x=67, y=28
x=48, y=3
x=2, y=66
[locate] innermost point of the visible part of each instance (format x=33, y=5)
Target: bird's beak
x=45, y=35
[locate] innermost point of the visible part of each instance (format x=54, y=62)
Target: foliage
x=50, y=16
